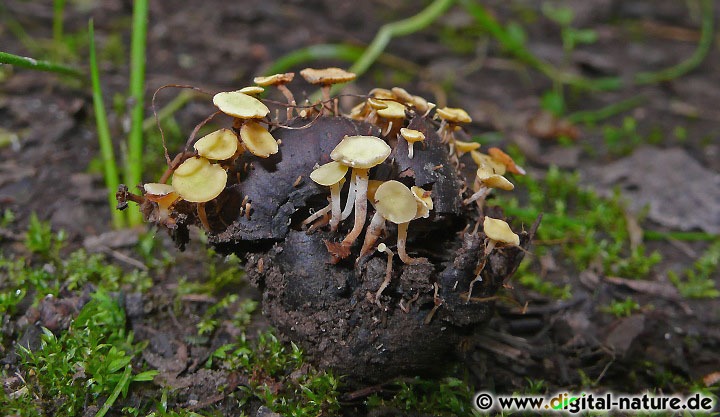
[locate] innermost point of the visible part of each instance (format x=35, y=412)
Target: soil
x=217, y=45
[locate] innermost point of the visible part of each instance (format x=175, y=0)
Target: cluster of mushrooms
x=198, y=177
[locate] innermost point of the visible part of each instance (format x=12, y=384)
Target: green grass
x=624, y=308
x=698, y=281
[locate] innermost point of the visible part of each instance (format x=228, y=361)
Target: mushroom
x=360, y=153
x=258, y=140
x=451, y=118
x=498, y=232
x=164, y=195
x=396, y=203
x=219, y=145
x=252, y=90
x=331, y=175
x=411, y=136
x=487, y=180
x=279, y=81
x=394, y=113
x=423, y=200
x=388, y=271
x=240, y=106
x=498, y=155
x=326, y=77
x=462, y=147
x=197, y=180
x=482, y=159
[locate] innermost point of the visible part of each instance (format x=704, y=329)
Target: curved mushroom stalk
x=401, y=243
x=361, y=184
x=376, y=227
x=498, y=232
x=388, y=272
x=350, y=203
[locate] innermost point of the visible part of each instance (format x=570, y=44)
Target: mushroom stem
x=361, y=186
x=323, y=211
x=290, y=99
x=410, y=150
x=350, y=203
x=388, y=272
x=335, y=206
x=377, y=224
x=326, y=96
x=401, y=241
x=481, y=193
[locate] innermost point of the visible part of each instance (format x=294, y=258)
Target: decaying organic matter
x=286, y=207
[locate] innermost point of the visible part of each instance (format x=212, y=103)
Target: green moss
x=698, y=281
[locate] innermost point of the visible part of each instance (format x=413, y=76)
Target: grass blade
x=112, y=179
x=133, y=167
x=38, y=65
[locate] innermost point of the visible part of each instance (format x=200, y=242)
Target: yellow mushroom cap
x=198, y=181
x=462, y=147
x=258, y=140
x=359, y=111
x=240, y=105
x=421, y=104
x=505, y=159
x=252, y=90
x=377, y=104
x=158, y=189
x=395, y=202
x=274, y=79
x=423, y=200
x=402, y=95
x=486, y=160
x=362, y=152
x=454, y=115
x=412, y=135
x=329, y=174
x=498, y=230
x=497, y=181
x=326, y=76
x=381, y=94
x=394, y=110
x=219, y=145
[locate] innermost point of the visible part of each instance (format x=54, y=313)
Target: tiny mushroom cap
x=462, y=147
x=377, y=104
x=395, y=202
x=240, y=105
x=163, y=194
x=498, y=181
x=505, y=159
x=381, y=94
x=394, y=110
x=412, y=135
x=252, y=90
x=327, y=76
x=258, y=140
x=373, y=185
x=402, y=95
x=499, y=231
x=218, y=145
x=198, y=181
x=274, y=79
x=486, y=160
x=329, y=174
x=423, y=200
x=363, y=152
x=454, y=115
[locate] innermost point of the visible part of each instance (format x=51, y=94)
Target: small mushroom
x=411, y=136
x=487, y=180
x=388, y=271
x=394, y=114
x=482, y=159
x=240, y=105
x=505, y=159
x=326, y=77
x=498, y=232
x=331, y=175
x=197, y=180
x=279, y=81
x=258, y=140
x=360, y=153
x=423, y=200
x=462, y=147
x=164, y=195
x=451, y=119
x=219, y=145
x=252, y=90
x=396, y=203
